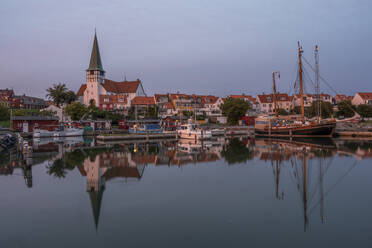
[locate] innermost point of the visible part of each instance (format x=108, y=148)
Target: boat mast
x=316, y=55
x=274, y=96
x=300, y=73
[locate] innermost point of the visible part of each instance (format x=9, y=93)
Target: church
x=104, y=93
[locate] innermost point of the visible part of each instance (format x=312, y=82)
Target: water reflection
x=307, y=163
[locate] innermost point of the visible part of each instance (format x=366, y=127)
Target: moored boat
x=276, y=126
x=191, y=131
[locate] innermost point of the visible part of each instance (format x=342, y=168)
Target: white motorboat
x=66, y=132
x=191, y=131
x=40, y=133
x=69, y=131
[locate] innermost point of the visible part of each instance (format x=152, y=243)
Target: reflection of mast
x=321, y=193
x=304, y=196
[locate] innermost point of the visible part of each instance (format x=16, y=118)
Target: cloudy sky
x=194, y=46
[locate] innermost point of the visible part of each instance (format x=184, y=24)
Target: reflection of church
x=104, y=167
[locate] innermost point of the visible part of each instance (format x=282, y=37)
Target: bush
x=4, y=113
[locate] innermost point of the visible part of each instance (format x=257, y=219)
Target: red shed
x=28, y=123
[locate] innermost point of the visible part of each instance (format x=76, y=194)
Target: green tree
x=364, y=110
x=326, y=109
x=346, y=109
x=57, y=93
x=187, y=113
x=76, y=110
x=4, y=113
x=69, y=97
x=234, y=109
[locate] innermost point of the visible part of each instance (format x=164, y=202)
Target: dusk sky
x=216, y=47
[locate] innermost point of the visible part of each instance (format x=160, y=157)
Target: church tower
x=95, y=76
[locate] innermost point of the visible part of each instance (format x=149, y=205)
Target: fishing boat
x=192, y=131
x=276, y=126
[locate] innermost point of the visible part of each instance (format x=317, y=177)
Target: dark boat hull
x=318, y=130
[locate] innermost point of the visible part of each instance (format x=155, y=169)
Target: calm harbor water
x=236, y=193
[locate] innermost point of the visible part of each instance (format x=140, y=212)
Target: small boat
x=191, y=131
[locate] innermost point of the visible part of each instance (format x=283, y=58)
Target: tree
x=4, y=113
x=76, y=110
x=234, y=109
x=69, y=97
x=364, y=110
x=57, y=93
x=345, y=109
x=326, y=109
x=187, y=113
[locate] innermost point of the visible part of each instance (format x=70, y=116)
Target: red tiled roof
x=250, y=98
x=281, y=97
x=143, y=100
x=168, y=105
x=81, y=90
x=158, y=96
x=365, y=95
x=121, y=87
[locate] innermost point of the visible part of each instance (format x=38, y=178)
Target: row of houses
x=10, y=100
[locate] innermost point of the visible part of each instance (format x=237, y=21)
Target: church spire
x=95, y=58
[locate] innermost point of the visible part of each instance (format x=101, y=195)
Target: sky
x=217, y=47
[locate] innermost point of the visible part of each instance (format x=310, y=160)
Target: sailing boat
x=274, y=126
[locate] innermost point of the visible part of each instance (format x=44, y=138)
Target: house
x=4, y=102
x=142, y=104
x=211, y=106
x=308, y=100
x=28, y=102
x=28, y=123
x=362, y=98
x=98, y=89
x=181, y=102
x=59, y=112
x=341, y=97
x=266, y=102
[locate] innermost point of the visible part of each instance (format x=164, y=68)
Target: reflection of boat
x=278, y=127
x=191, y=131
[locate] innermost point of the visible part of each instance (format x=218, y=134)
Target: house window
x=91, y=72
x=106, y=100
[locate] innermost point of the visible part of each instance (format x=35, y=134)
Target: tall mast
x=316, y=55
x=300, y=72
x=274, y=95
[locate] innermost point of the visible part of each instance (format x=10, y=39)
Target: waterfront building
x=105, y=93
x=341, y=97
x=362, y=98
x=266, y=102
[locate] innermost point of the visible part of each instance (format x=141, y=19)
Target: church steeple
x=95, y=58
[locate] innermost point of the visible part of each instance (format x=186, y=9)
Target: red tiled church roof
x=81, y=90
x=121, y=87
